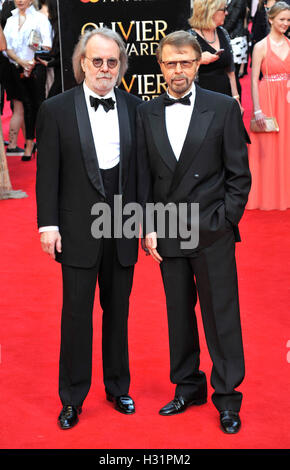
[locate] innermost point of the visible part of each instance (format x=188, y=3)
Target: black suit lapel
x=158, y=128
x=87, y=141
x=125, y=138
x=200, y=121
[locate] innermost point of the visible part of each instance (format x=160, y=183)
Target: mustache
x=178, y=77
x=104, y=75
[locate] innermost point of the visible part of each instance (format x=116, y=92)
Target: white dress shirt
x=17, y=39
x=106, y=134
x=177, y=119
x=105, y=129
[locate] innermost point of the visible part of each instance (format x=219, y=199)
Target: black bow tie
x=169, y=101
x=107, y=103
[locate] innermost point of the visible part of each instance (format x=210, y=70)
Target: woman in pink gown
x=269, y=155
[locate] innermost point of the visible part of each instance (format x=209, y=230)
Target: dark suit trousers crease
x=79, y=285
x=213, y=272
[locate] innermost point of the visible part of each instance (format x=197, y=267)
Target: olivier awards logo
x=141, y=38
x=141, y=23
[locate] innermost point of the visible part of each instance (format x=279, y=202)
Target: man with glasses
x=86, y=155
x=192, y=149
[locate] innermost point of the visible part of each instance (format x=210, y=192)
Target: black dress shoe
x=230, y=421
x=69, y=416
x=123, y=403
x=179, y=405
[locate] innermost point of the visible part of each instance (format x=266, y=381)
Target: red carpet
x=30, y=302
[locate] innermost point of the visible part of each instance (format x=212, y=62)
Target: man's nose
x=104, y=65
x=178, y=68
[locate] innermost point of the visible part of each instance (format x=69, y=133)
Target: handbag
x=271, y=124
x=34, y=40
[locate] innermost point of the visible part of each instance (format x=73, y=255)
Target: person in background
x=43, y=7
x=269, y=151
x=260, y=23
x=235, y=25
x=6, y=191
x=18, y=29
x=217, y=68
x=39, y=70
x=53, y=64
x=252, y=5
x=247, y=25
x=7, y=7
x=11, y=88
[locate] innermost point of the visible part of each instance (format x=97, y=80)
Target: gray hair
x=80, y=52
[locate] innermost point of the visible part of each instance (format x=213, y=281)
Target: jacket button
x=196, y=175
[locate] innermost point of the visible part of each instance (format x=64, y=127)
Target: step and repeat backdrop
x=141, y=23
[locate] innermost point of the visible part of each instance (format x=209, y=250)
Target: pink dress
x=269, y=154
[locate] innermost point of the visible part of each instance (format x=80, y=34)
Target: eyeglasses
x=98, y=62
x=184, y=64
x=223, y=9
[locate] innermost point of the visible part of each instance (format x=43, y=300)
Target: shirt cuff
x=49, y=228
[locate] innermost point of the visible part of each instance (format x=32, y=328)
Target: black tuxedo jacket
x=69, y=180
x=212, y=169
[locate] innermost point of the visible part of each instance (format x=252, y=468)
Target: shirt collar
x=30, y=11
x=88, y=92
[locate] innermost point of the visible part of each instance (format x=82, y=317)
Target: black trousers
x=212, y=273
x=79, y=285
